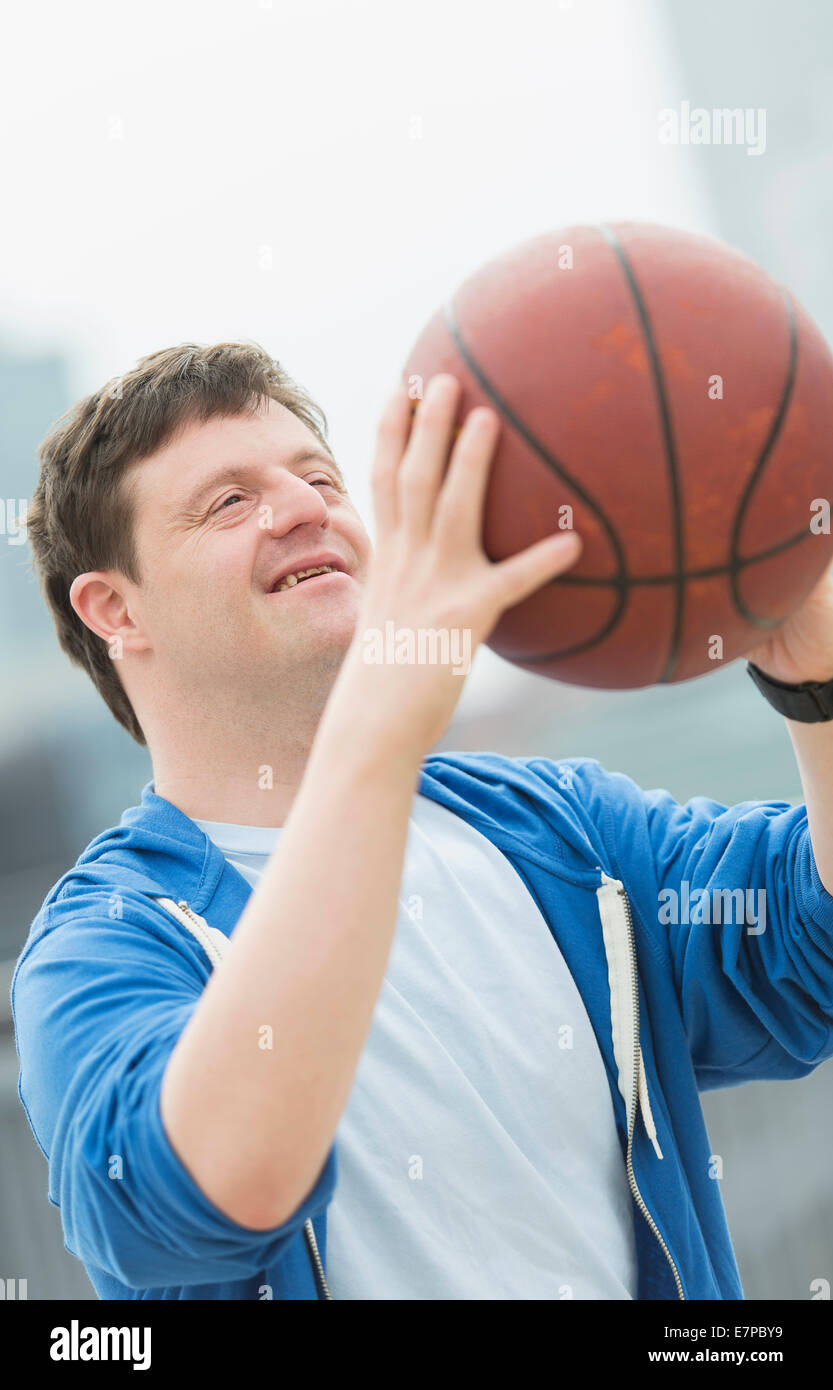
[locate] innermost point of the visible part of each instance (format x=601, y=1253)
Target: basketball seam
x=707, y=572
x=561, y=472
x=668, y=445
x=755, y=477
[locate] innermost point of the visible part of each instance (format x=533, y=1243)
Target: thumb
x=520, y=575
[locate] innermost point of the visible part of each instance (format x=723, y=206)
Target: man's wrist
x=358, y=721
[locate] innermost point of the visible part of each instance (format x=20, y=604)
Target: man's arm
x=308, y=955
x=813, y=745
x=802, y=650
x=729, y=914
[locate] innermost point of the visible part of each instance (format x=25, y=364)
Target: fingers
x=410, y=491
x=422, y=468
x=459, y=513
x=519, y=576
x=391, y=442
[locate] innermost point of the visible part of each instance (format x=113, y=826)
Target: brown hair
x=80, y=517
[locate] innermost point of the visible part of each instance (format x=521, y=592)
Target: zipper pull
x=645, y=1107
x=643, y=1099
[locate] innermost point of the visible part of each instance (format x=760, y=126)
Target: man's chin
x=321, y=645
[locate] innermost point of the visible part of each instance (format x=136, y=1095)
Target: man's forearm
x=813, y=745
x=253, y=1125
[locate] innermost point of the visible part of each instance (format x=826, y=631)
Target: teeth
x=290, y=580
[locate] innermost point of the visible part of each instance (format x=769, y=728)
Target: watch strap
x=810, y=702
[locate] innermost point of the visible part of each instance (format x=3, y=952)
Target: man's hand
x=802, y=649
x=429, y=570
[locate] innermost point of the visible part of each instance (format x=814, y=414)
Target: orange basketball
x=663, y=395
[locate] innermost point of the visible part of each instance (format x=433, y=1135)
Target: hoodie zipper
x=318, y=1268
x=637, y=1065
x=199, y=928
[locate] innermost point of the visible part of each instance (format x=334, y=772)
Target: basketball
x=666, y=398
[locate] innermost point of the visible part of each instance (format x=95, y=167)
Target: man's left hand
x=802, y=648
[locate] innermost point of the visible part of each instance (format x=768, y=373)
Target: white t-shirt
x=477, y=1155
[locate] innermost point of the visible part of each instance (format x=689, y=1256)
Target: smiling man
x=326, y=1015
x=206, y=532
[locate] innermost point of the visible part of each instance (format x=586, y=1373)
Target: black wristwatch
x=810, y=702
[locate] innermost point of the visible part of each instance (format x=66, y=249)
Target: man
x=453, y=1042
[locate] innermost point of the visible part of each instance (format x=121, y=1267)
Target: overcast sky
x=314, y=175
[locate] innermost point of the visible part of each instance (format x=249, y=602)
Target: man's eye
x=324, y=482
x=232, y=497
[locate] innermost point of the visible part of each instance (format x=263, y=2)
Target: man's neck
x=234, y=776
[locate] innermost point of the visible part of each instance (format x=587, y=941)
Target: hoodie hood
x=156, y=849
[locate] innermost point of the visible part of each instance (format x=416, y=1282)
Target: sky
x=315, y=176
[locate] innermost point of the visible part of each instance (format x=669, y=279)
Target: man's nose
x=290, y=503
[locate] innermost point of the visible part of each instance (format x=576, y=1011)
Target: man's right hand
x=430, y=571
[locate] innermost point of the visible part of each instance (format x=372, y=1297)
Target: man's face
x=221, y=514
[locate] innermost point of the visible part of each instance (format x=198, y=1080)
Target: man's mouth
x=299, y=576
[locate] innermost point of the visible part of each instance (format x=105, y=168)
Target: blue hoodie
x=628, y=881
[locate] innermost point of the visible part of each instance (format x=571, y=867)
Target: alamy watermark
x=713, y=906
x=735, y=125
x=423, y=646
x=13, y=520
x=80, y=1342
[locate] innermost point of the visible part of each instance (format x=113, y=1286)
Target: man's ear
x=100, y=600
